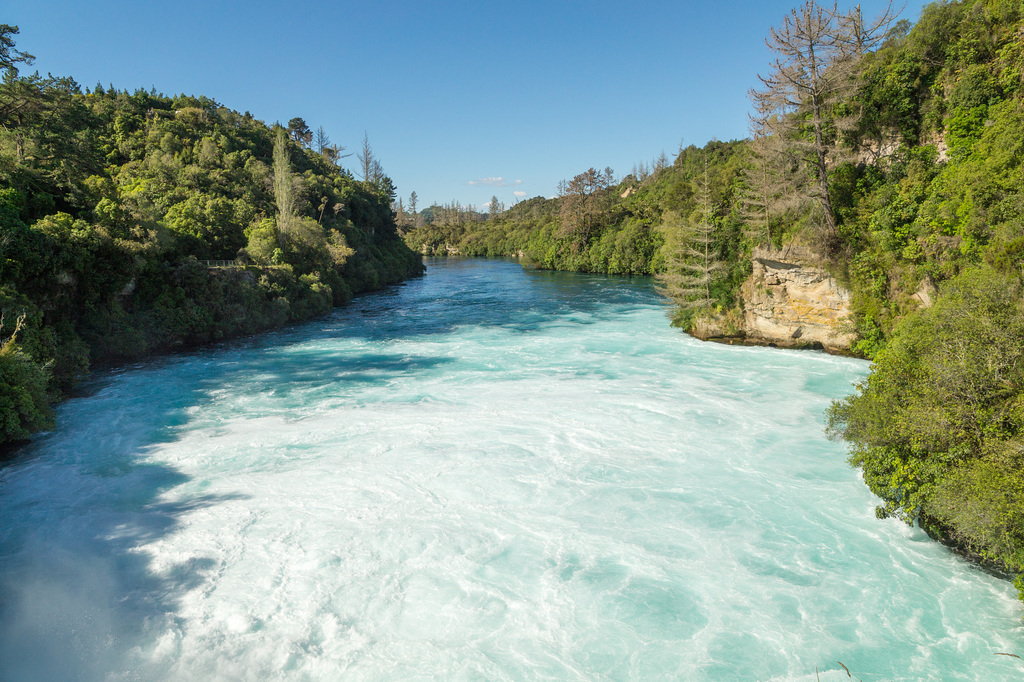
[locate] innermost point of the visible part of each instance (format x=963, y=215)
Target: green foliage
x=611, y=229
x=927, y=196
x=107, y=200
x=937, y=426
x=24, y=403
x=208, y=227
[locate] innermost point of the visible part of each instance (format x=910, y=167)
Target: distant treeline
x=110, y=204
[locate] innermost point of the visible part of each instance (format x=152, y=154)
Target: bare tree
x=640, y=171
x=321, y=141
x=773, y=179
x=401, y=217
x=816, y=51
x=858, y=36
x=802, y=83
x=661, y=162
x=372, y=171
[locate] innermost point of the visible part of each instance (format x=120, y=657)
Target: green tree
x=693, y=262
x=24, y=403
x=937, y=427
x=10, y=57
x=300, y=132
x=284, y=186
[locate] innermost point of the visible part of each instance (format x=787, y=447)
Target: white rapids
x=486, y=474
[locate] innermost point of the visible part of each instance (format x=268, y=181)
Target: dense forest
x=136, y=223
x=894, y=152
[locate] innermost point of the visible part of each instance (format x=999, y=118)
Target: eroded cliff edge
x=789, y=301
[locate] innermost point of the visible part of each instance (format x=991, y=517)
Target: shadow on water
x=79, y=594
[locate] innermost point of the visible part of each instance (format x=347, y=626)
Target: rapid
x=488, y=473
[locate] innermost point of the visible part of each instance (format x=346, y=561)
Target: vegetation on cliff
x=135, y=223
x=902, y=167
x=898, y=158
x=938, y=427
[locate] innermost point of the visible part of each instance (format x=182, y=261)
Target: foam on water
x=485, y=474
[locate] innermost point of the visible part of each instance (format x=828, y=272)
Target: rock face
x=789, y=302
x=445, y=249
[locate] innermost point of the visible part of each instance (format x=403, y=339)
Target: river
x=487, y=473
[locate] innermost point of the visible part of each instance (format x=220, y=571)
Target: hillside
x=898, y=174
x=136, y=223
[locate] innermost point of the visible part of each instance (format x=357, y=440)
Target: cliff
x=788, y=301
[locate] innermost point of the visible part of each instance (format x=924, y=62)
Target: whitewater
x=489, y=473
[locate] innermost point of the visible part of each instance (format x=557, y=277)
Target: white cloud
x=494, y=182
x=519, y=193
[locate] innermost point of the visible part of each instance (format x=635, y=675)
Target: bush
x=24, y=404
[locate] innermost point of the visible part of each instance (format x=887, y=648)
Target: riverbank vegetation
x=137, y=223
x=134, y=223
x=894, y=151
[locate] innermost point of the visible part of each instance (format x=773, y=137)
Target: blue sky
x=460, y=100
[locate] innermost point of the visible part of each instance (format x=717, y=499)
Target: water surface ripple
x=486, y=474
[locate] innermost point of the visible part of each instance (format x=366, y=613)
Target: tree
x=9, y=56
x=321, y=142
x=299, y=131
x=583, y=202
x=857, y=36
x=24, y=404
x=416, y=218
x=23, y=100
x=284, y=188
x=661, y=163
x=495, y=207
x=938, y=426
x=370, y=167
x=769, y=188
x=692, y=263
x=816, y=49
x=399, y=209
x=804, y=80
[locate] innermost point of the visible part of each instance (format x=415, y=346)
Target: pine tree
x=693, y=263
x=371, y=168
x=772, y=180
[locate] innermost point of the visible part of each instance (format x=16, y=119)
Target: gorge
x=486, y=472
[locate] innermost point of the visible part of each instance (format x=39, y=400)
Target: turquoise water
x=488, y=473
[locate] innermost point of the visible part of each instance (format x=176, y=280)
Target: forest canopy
x=134, y=223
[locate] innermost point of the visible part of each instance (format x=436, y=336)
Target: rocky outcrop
x=444, y=249
x=788, y=301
